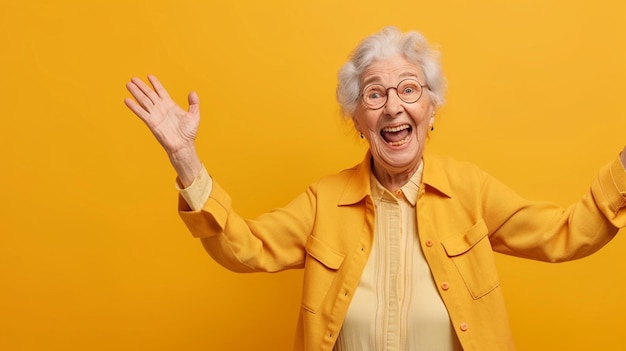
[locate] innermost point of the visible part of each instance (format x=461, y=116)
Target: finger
x=137, y=109
x=154, y=98
x=194, y=103
x=158, y=87
x=140, y=96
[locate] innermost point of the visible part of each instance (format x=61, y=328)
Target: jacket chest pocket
x=473, y=257
x=320, y=271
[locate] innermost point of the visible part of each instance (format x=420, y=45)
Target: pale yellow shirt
x=198, y=192
x=396, y=305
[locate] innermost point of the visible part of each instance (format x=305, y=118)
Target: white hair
x=386, y=43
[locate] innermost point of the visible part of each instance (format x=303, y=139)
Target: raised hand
x=173, y=127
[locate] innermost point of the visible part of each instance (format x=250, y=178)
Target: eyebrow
x=376, y=79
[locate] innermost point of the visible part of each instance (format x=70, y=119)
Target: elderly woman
x=397, y=251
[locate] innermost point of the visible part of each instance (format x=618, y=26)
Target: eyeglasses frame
x=422, y=86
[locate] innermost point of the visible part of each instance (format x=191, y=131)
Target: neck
x=394, y=179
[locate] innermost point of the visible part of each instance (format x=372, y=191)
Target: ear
x=357, y=125
x=431, y=122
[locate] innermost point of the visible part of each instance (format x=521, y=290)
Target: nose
x=393, y=106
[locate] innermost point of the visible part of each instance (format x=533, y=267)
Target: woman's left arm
x=544, y=231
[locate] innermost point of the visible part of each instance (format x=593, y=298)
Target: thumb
x=194, y=102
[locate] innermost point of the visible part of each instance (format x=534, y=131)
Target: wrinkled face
x=396, y=133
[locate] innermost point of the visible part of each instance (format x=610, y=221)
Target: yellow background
x=92, y=253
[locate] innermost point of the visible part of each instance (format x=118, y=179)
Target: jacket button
x=429, y=243
x=464, y=326
x=445, y=286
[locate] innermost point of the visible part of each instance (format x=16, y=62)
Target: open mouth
x=396, y=136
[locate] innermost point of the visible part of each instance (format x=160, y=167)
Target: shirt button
x=429, y=243
x=398, y=192
x=464, y=326
x=445, y=286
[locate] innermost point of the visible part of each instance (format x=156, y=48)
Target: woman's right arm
x=272, y=242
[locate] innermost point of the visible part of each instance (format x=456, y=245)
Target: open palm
x=174, y=128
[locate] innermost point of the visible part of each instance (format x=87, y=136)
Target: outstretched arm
x=174, y=128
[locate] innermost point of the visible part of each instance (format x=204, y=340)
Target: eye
x=409, y=89
x=374, y=92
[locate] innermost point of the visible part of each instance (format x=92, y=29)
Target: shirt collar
x=408, y=191
x=412, y=187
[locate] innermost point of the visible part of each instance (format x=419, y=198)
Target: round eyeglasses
x=408, y=90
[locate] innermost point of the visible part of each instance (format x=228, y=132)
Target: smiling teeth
x=398, y=143
x=395, y=129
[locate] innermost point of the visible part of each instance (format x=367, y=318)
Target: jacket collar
x=358, y=185
x=435, y=175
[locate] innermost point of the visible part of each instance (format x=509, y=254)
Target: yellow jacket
x=463, y=216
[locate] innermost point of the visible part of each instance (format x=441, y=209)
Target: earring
x=432, y=121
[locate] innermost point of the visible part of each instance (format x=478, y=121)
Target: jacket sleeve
x=544, y=231
x=272, y=242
